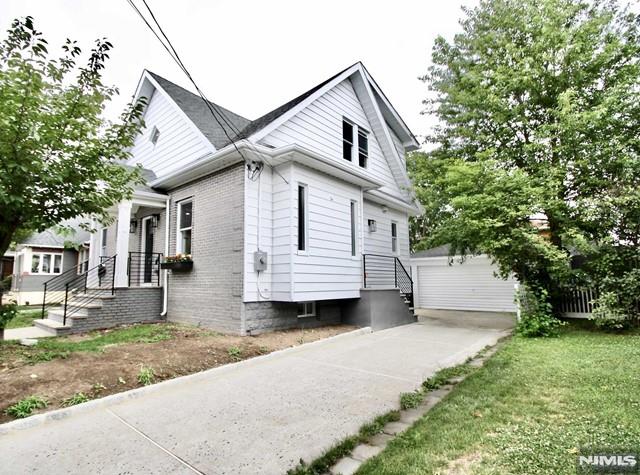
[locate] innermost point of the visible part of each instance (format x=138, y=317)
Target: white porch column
x=122, y=244
x=94, y=246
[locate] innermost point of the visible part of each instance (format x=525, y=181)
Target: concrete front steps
x=100, y=309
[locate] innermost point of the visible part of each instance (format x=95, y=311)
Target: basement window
x=306, y=309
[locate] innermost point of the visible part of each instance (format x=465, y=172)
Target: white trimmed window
x=83, y=260
x=306, y=309
x=303, y=221
x=185, y=226
x=354, y=228
x=46, y=263
x=103, y=242
x=352, y=135
x=155, y=135
x=394, y=237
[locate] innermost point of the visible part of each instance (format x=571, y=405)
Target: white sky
x=251, y=56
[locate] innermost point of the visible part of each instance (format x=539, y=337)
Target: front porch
x=123, y=283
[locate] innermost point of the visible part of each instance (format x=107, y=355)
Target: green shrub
x=608, y=313
x=26, y=406
x=77, y=398
x=536, y=314
x=146, y=376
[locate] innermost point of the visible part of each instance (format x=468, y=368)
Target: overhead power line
x=217, y=114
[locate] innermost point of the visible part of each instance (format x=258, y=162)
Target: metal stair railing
x=79, y=289
x=381, y=271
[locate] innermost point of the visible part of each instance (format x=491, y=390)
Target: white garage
x=471, y=285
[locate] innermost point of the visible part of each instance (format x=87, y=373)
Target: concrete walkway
x=258, y=416
x=25, y=332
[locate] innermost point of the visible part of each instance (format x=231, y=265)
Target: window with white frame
x=185, y=226
x=103, y=242
x=306, y=309
x=302, y=218
x=394, y=237
x=354, y=227
x=46, y=263
x=155, y=135
x=350, y=134
x=83, y=260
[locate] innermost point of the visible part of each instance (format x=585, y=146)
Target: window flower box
x=178, y=263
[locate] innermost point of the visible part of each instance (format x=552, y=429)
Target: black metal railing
x=72, y=292
x=143, y=268
x=380, y=271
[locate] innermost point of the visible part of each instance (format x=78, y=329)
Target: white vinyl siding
x=178, y=144
x=318, y=128
x=471, y=285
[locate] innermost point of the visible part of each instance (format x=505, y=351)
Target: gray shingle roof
x=197, y=111
x=50, y=237
x=433, y=252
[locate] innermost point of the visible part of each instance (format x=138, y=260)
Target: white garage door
x=468, y=286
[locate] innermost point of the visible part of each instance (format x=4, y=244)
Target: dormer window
x=350, y=133
x=155, y=135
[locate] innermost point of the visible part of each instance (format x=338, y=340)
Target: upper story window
x=347, y=139
x=155, y=135
x=394, y=237
x=350, y=134
x=302, y=218
x=46, y=263
x=363, y=148
x=185, y=226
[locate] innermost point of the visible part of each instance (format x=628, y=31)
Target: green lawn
x=529, y=410
x=25, y=317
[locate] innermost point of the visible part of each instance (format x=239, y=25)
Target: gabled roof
x=198, y=112
x=50, y=237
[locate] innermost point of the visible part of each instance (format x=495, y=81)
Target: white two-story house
x=299, y=217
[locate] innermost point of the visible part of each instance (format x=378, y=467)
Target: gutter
x=165, y=278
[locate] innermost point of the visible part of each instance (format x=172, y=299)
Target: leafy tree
x=536, y=157
x=59, y=158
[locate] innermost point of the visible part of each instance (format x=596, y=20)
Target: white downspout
x=165, y=280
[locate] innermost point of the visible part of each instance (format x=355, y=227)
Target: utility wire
x=213, y=108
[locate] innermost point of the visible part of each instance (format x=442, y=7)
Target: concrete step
x=57, y=315
x=97, y=303
x=52, y=327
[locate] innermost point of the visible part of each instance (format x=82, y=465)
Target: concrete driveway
x=258, y=416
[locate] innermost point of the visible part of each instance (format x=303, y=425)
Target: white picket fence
x=578, y=303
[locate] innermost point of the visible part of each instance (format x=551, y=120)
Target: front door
x=147, y=246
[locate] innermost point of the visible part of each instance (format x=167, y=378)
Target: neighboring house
x=292, y=222
x=43, y=256
x=7, y=264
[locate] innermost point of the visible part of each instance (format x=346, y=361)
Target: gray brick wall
x=211, y=294
x=130, y=305
x=261, y=317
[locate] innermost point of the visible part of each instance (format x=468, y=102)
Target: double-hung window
x=363, y=148
x=394, y=237
x=352, y=135
x=46, y=263
x=354, y=228
x=185, y=226
x=103, y=242
x=302, y=218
